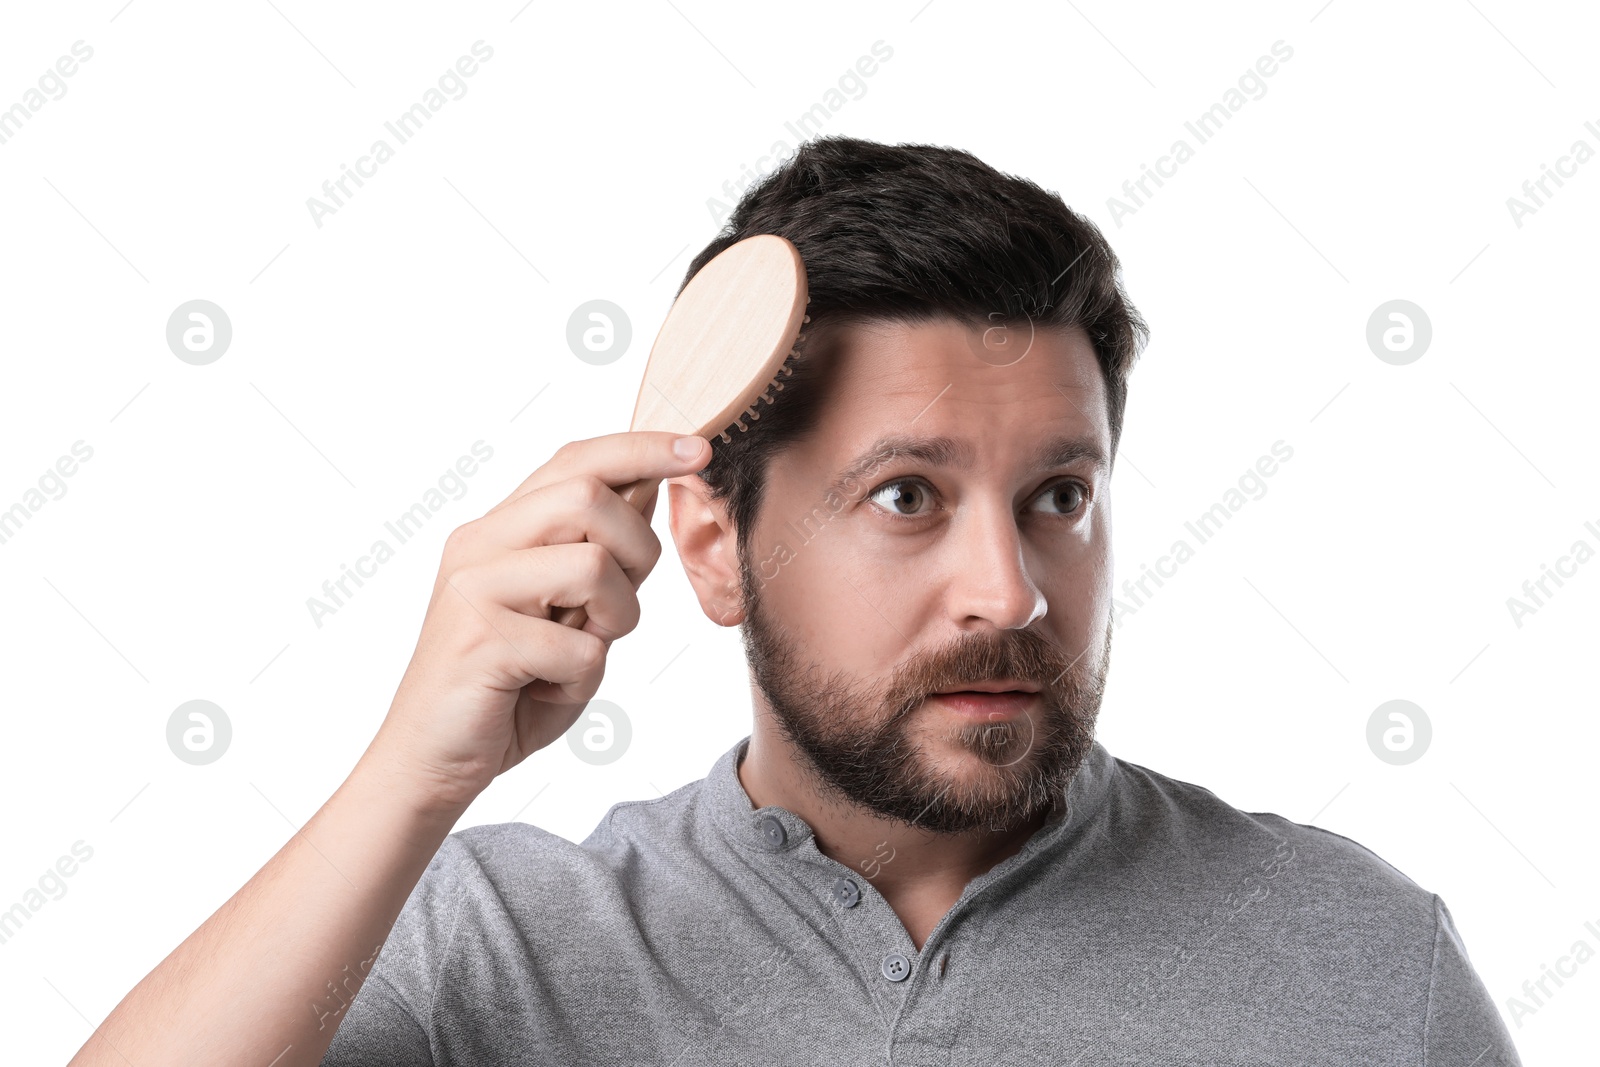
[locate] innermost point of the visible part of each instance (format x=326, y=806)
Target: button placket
x=880, y=966
x=877, y=943
x=895, y=966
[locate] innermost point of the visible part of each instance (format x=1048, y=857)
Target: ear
x=707, y=545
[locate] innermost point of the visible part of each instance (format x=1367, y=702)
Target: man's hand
x=494, y=678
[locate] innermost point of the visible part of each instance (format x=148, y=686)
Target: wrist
x=398, y=785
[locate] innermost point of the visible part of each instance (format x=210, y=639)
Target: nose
x=990, y=583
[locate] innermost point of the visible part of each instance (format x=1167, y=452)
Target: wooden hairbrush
x=720, y=352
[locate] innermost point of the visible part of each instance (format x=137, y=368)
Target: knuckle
x=474, y=580
x=588, y=491
x=458, y=544
x=591, y=654
x=593, y=561
x=469, y=586
x=630, y=613
x=621, y=616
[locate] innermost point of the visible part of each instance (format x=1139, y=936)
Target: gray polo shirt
x=1148, y=922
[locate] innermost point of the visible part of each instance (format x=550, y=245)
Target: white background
x=372, y=351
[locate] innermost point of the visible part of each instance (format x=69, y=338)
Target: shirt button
x=896, y=967
x=772, y=831
x=846, y=892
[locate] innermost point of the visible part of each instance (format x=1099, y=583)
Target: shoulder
x=1327, y=872
x=520, y=863
x=625, y=825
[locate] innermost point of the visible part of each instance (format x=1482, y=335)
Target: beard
x=858, y=742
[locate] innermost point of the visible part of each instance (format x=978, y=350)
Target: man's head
x=925, y=506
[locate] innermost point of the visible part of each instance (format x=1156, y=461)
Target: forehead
x=938, y=379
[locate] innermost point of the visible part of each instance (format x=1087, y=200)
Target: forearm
x=266, y=979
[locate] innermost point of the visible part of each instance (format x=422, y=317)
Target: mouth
x=999, y=685
x=988, y=701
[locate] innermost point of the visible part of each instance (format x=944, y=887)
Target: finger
x=554, y=662
x=616, y=459
x=536, y=581
x=576, y=510
x=579, y=690
x=649, y=510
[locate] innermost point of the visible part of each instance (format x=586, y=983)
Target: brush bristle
x=772, y=387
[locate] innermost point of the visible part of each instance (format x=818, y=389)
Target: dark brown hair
x=915, y=233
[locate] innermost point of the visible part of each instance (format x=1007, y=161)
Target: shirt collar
x=776, y=829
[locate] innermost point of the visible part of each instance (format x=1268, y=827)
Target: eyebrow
x=953, y=452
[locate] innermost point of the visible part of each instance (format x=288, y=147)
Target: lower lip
x=986, y=705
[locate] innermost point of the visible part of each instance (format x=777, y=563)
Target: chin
x=994, y=743
x=979, y=751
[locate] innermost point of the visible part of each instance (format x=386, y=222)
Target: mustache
x=1027, y=655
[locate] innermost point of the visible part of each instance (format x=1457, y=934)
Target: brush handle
x=641, y=494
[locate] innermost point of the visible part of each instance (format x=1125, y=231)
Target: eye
x=1070, y=496
x=902, y=493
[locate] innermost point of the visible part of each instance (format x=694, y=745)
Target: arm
x=1463, y=1025
x=265, y=981
x=266, y=978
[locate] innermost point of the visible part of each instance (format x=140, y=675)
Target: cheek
x=849, y=607
x=1075, y=576
x=1088, y=600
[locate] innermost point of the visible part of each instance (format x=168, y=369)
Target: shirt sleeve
x=387, y=1022
x=378, y=1030
x=1463, y=1025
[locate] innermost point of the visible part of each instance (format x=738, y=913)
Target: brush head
x=719, y=354
x=724, y=341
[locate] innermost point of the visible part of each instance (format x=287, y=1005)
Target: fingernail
x=687, y=447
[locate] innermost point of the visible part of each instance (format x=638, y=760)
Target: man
x=920, y=855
